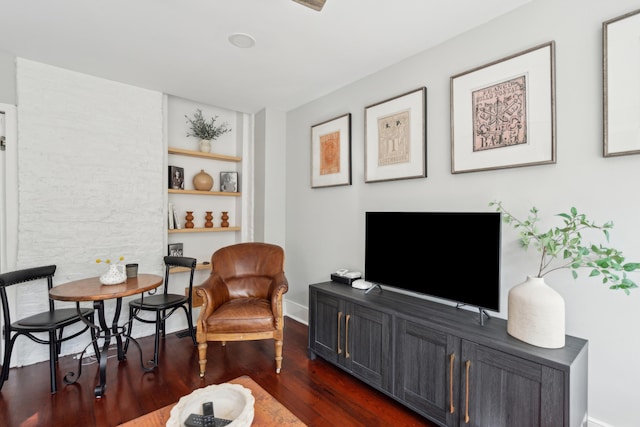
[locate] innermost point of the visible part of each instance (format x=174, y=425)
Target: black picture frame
x=176, y=178
x=175, y=249
x=229, y=182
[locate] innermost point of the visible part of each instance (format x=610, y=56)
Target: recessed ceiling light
x=242, y=40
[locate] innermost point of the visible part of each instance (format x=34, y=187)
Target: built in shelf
x=205, y=193
x=184, y=269
x=203, y=230
x=213, y=156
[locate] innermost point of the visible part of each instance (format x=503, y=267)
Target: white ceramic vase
x=116, y=274
x=205, y=145
x=536, y=314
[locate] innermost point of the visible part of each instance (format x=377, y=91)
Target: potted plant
x=205, y=129
x=536, y=311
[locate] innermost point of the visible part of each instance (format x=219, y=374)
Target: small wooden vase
x=209, y=220
x=189, y=218
x=225, y=219
x=202, y=181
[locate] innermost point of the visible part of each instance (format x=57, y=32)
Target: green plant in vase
x=205, y=129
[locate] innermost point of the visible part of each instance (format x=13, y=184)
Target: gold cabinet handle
x=339, y=319
x=452, y=357
x=466, y=399
x=346, y=337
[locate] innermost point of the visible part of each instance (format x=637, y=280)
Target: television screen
x=449, y=255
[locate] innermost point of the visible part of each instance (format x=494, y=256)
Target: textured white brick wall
x=90, y=182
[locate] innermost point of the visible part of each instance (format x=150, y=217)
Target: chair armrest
x=279, y=287
x=214, y=293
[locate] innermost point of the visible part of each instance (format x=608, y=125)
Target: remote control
x=208, y=418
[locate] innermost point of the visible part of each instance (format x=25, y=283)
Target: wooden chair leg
x=278, y=350
x=202, y=354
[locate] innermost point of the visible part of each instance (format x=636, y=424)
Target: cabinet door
x=326, y=317
x=367, y=352
x=427, y=371
x=502, y=390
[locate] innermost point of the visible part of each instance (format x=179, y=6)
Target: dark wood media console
x=439, y=361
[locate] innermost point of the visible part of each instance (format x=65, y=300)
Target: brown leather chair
x=242, y=298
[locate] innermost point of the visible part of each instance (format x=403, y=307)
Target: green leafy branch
x=205, y=129
x=562, y=247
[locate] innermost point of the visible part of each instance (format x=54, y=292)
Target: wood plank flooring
x=315, y=391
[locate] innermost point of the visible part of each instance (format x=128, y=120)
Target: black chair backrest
x=179, y=261
x=21, y=276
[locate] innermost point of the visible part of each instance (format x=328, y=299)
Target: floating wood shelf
x=184, y=269
x=203, y=230
x=204, y=193
x=213, y=156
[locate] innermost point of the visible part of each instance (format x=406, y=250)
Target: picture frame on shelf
x=331, y=152
x=176, y=178
x=621, y=77
x=396, y=137
x=229, y=182
x=175, y=249
x=503, y=113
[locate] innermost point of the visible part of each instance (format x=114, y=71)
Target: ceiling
x=181, y=47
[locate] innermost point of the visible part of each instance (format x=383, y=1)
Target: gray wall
x=325, y=227
x=7, y=78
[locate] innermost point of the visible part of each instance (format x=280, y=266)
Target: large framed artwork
x=395, y=137
x=331, y=152
x=621, y=84
x=503, y=113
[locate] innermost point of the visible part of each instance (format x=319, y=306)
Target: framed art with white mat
x=331, y=152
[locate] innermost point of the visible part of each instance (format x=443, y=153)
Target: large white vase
x=536, y=314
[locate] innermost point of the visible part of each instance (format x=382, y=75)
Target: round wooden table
x=91, y=289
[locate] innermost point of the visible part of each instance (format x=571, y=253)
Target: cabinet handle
x=466, y=399
x=452, y=357
x=339, y=319
x=346, y=337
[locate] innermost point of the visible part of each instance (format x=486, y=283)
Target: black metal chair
x=52, y=321
x=165, y=304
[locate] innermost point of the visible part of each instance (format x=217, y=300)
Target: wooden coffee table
x=267, y=410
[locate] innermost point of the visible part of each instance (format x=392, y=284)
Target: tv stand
x=438, y=361
x=483, y=313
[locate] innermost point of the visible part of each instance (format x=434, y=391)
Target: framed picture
x=331, y=152
x=395, y=137
x=175, y=249
x=176, y=178
x=229, y=182
x=503, y=113
x=621, y=84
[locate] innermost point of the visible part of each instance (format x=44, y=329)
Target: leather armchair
x=242, y=298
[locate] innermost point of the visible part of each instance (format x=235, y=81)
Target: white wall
x=325, y=227
x=90, y=182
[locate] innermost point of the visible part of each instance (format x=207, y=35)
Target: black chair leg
x=192, y=330
x=94, y=339
x=159, y=323
x=7, y=361
x=131, y=320
x=53, y=357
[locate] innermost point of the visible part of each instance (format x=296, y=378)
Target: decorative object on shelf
x=331, y=152
x=396, y=137
x=205, y=129
x=562, y=247
x=620, y=40
x=116, y=273
x=202, y=181
x=175, y=249
x=132, y=270
x=209, y=220
x=225, y=219
x=503, y=113
x=189, y=218
x=229, y=182
x=536, y=314
x=176, y=178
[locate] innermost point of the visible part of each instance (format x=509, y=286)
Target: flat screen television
x=450, y=255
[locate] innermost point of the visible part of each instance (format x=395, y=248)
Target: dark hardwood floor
x=315, y=391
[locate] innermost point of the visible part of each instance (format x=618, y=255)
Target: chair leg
x=159, y=324
x=53, y=357
x=202, y=355
x=192, y=330
x=94, y=339
x=7, y=360
x=131, y=320
x=278, y=351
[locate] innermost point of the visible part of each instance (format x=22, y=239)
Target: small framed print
x=331, y=152
x=175, y=249
x=503, y=113
x=176, y=178
x=395, y=135
x=621, y=75
x=229, y=182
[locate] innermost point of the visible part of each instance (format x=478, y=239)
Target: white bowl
x=230, y=401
